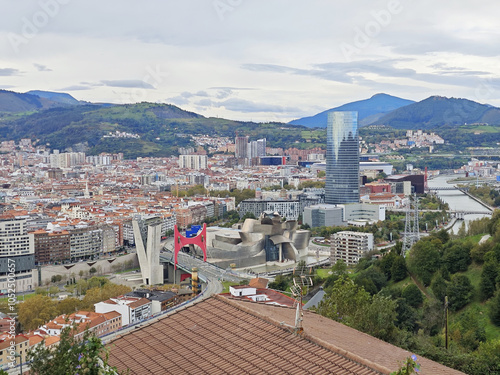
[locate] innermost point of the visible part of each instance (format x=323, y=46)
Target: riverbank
x=478, y=201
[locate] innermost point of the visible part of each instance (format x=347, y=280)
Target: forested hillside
x=402, y=300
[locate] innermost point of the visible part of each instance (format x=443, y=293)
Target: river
x=456, y=199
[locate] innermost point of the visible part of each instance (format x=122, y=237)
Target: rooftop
x=224, y=336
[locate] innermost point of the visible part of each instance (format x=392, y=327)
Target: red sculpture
x=180, y=241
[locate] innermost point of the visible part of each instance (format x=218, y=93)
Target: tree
x=345, y=302
x=487, y=284
x=424, y=259
x=280, y=283
x=495, y=310
x=398, y=269
x=103, y=293
x=457, y=256
x=406, y=317
x=413, y=295
x=460, y=292
x=380, y=318
x=468, y=330
x=339, y=269
x=438, y=287
x=351, y=305
x=68, y=305
x=372, y=279
x=53, y=290
x=36, y=311
x=385, y=264
x=87, y=355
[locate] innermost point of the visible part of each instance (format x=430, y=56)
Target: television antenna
x=302, y=281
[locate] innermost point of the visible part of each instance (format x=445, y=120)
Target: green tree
x=438, y=287
x=424, y=259
x=53, y=290
x=345, y=302
x=339, y=269
x=372, y=279
x=86, y=355
x=468, y=331
x=406, y=317
x=495, y=310
x=68, y=306
x=92, y=271
x=280, y=283
x=380, y=318
x=350, y=304
x=478, y=252
x=385, y=264
x=460, y=292
x=413, y=295
x=487, y=284
x=102, y=293
x=456, y=256
x=398, y=269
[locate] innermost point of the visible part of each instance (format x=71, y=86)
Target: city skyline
x=260, y=61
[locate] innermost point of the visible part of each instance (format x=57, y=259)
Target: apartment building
x=85, y=243
x=350, y=246
x=195, y=162
x=17, y=253
x=51, y=247
x=289, y=209
x=131, y=309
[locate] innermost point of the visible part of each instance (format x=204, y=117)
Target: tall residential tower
x=342, y=158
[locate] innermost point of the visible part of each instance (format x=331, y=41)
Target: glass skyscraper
x=342, y=158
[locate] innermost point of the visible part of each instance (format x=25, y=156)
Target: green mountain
x=162, y=128
x=368, y=110
x=438, y=111
x=59, y=97
x=14, y=102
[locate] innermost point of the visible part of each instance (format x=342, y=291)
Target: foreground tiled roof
x=343, y=339
x=215, y=336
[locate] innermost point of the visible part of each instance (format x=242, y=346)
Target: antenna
x=302, y=281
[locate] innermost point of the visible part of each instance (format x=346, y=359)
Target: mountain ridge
x=437, y=111
x=372, y=109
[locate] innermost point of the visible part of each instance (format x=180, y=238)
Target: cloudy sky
x=260, y=60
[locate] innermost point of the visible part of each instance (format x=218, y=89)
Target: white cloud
x=262, y=60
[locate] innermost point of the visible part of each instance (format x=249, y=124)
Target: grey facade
x=324, y=215
x=17, y=253
x=289, y=209
x=342, y=158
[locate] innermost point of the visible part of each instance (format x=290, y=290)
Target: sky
x=253, y=60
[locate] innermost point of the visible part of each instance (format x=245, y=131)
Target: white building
x=17, y=255
x=195, y=162
x=132, y=309
x=350, y=246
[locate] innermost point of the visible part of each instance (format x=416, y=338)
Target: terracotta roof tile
x=217, y=337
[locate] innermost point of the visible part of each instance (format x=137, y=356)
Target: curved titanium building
x=342, y=158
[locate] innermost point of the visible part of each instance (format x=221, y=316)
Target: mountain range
x=60, y=121
x=369, y=110
x=438, y=111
